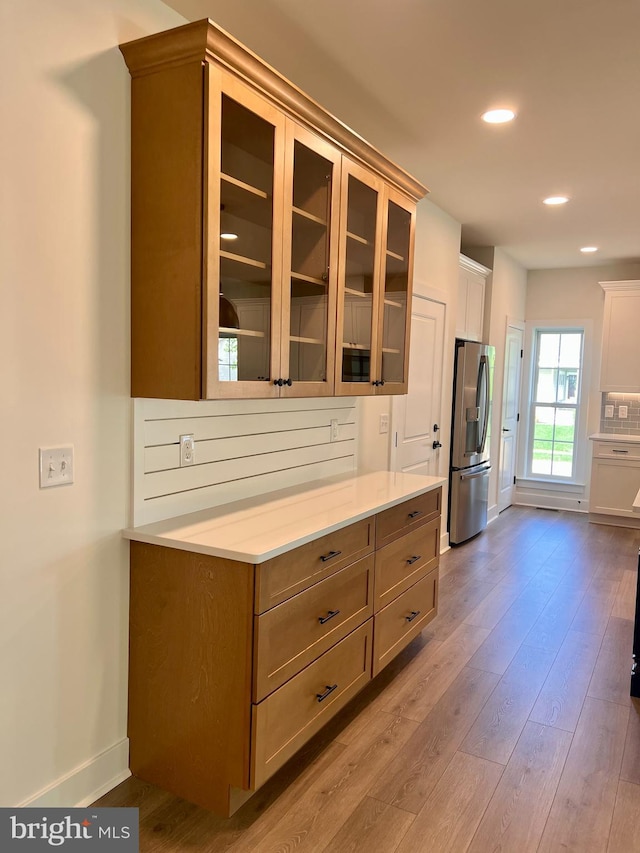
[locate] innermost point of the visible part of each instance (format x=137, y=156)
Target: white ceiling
x=413, y=77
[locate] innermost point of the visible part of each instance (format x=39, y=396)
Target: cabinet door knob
x=412, y=615
x=328, y=691
x=278, y=382
x=288, y=382
x=330, y=556
x=323, y=619
x=381, y=382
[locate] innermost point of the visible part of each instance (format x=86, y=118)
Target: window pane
x=548, y=349
x=544, y=421
x=570, y=349
x=546, y=389
x=565, y=425
x=567, y=386
x=542, y=454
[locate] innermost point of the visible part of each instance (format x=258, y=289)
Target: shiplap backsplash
x=242, y=448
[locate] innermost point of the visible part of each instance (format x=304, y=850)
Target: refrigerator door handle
x=477, y=474
x=483, y=383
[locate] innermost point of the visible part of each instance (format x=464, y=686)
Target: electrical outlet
x=56, y=466
x=623, y=412
x=187, y=450
x=334, y=429
x=608, y=411
x=384, y=424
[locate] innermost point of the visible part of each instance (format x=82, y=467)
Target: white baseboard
x=87, y=782
x=614, y=520
x=545, y=500
x=444, y=542
x=492, y=513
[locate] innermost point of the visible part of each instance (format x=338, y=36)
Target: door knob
x=504, y=429
x=436, y=445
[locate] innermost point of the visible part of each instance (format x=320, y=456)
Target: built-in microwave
x=356, y=365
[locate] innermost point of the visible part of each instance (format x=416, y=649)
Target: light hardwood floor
x=507, y=726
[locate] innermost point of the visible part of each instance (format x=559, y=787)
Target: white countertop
x=257, y=529
x=609, y=436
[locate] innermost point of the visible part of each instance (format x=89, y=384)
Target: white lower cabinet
x=615, y=478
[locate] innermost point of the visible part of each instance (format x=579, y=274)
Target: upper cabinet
x=620, y=367
x=472, y=278
x=272, y=248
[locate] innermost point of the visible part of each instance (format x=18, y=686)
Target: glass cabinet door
x=396, y=301
x=245, y=157
x=310, y=264
x=360, y=246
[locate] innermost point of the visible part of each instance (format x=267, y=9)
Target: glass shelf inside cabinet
x=246, y=237
x=311, y=206
x=396, y=286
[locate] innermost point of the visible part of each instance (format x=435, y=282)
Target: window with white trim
x=555, y=403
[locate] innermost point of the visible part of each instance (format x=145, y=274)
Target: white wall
x=64, y=363
x=572, y=294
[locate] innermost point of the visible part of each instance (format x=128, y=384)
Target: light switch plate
x=56, y=466
x=384, y=424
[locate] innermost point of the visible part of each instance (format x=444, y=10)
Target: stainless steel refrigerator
x=470, y=445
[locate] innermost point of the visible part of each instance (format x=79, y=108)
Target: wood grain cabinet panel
x=401, y=563
x=284, y=721
x=283, y=576
x=400, y=519
x=402, y=620
x=293, y=634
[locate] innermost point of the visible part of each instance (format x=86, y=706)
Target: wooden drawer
x=287, y=574
x=398, y=520
x=286, y=720
x=296, y=632
x=620, y=450
x=396, y=625
x=401, y=563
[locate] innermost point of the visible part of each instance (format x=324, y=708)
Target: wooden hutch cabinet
x=272, y=248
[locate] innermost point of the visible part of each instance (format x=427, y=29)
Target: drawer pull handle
x=415, y=513
x=330, y=615
x=330, y=556
x=412, y=615
x=328, y=691
x=413, y=560
x=613, y=450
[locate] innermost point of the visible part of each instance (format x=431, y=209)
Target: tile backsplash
x=617, y=425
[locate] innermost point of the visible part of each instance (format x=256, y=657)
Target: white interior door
x=415, y=413
x=510, y=416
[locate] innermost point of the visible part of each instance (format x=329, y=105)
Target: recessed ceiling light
x=498, y=116
x=587, y=249
x=556, y=199
x=228, y=236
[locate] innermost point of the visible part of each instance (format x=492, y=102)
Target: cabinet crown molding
x=205, y=41
x=619, y=285
x=473, y=266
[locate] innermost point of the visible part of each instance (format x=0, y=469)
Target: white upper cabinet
x=620, y=368
x=472, y=279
